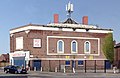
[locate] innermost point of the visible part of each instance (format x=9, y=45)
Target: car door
x=12, y=69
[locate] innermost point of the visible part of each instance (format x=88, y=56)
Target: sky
x=16, y=13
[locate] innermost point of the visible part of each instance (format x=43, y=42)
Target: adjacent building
x=117, y=55
x=4, y=57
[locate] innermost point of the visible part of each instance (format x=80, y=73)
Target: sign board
x=67, y=57
x=31, y=55
x=18, y=55
x=90, y=57
x=36, y=42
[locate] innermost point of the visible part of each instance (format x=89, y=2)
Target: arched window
x=60, y=46
x=74, y=46
x=87, y=47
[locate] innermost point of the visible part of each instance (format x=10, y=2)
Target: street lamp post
x=73, y=64
x=104, y=66
x=85, y=63
x=95, y=66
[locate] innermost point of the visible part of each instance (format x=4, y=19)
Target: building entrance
x=20, y=61
x=37, y=64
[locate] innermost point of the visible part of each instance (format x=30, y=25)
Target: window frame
x=87, y=52
x=72, y=46
x=58, y=51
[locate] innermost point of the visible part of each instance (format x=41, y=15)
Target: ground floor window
x=80, y=62
x=67, y=62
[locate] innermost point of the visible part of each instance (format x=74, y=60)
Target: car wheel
x=16, y=72
x=7, y=71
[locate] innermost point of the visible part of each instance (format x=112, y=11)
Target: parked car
x=14, y=69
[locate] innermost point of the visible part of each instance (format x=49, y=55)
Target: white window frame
x=19, y=43
x=58, y=46
x=85, y=47
x=76, y=47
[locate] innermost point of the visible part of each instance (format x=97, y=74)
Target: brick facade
x=48, y=54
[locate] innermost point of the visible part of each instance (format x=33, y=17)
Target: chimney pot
x=85, y=20
x=56, y=18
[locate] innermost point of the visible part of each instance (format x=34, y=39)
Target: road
x=38, y=74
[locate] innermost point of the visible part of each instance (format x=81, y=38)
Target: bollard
x=64, y=69
x=41, y=69
x=114, y=69
x=73, y=70
x=28, y=68
x=34, y=68
x=55, y=69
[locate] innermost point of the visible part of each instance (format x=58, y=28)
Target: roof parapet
x=73, y=25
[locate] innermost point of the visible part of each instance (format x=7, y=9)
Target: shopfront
x=20, y=58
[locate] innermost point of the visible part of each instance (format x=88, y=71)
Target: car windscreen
x=18, y=67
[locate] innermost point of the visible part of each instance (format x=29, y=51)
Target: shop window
x=60, y=46
x=74, y=46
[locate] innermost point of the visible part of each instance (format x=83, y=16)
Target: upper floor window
x=74, y=46
x=87, y=47
x=19, y=43
x=60, y=46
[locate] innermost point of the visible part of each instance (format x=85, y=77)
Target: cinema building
x=58, y=45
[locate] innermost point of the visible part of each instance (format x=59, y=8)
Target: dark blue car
x=14, y=69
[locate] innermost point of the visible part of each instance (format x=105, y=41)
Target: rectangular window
x=67, y=62
x=80, y=62
x=37, y=43
x=19, y=43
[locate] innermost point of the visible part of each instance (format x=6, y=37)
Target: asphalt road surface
x=38, y=74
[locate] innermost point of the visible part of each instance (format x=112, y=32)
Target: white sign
x=18, y=55
x=36, y=42
x=19, y=43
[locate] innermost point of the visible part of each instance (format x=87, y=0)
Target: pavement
x=73, y=75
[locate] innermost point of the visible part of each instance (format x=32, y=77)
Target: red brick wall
x=41, y=52
x=116, y=56
x=67, y=45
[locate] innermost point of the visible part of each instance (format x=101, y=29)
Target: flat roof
x=117, y=45
x=59, y=26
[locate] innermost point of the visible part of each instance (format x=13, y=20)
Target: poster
x=36, y=42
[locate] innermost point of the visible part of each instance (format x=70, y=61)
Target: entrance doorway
x=20, y=61
x=37, y=64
